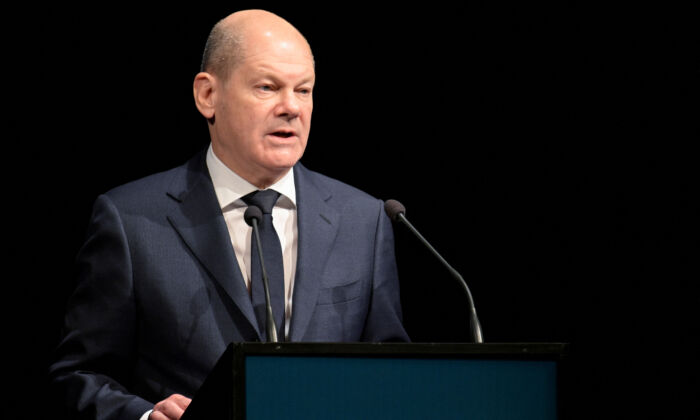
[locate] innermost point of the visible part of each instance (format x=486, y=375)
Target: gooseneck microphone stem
x=270, y=326
x=396, y=212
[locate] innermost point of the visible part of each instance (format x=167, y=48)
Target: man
x=166, y=273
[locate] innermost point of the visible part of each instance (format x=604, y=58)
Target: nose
x=288, y=106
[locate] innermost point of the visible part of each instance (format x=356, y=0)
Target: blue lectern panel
x=294, y=387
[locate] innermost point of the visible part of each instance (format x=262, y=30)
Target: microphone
x=396, y=212
x=252, y=216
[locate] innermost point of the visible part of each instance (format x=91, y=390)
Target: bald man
x=165, y=276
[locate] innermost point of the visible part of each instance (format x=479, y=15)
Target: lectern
x=383, y=381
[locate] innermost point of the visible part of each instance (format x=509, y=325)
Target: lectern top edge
x=484, y=350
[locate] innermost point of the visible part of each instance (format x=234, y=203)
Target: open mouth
x=283, y=134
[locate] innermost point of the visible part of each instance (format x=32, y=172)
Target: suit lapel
x=200, y=223
x=317, y=224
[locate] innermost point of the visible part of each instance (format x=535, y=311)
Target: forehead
x=275, y=50
x=287, y=45
x=281, y=61
x=260, y=68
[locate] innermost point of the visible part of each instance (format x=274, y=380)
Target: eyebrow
x=278, y=80
x=266, y=73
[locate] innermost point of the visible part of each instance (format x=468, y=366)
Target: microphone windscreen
x=252, y=212
x=393, y=208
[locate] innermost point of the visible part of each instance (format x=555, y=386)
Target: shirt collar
x=230, y=187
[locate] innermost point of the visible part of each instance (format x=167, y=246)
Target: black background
x=548, y=152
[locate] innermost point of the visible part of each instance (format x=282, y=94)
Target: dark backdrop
x=546, y=152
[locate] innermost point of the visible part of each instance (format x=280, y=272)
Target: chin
x=284, y=160
x=283, y=166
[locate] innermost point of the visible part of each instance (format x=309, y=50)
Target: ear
x=205, y=94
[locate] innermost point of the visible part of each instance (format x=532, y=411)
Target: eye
x=305, y=91
x=265, y=87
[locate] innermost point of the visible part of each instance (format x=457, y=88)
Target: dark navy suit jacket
x=160, y=294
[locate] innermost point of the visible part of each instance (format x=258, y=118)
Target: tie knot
x=264, y=199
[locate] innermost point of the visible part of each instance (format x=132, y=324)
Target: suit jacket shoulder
x=342, y=193
x=149, y=191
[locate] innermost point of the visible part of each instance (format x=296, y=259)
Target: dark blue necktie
x=272, y=254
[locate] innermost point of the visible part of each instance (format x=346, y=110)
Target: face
x=263, y=111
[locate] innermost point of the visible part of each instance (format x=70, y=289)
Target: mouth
x=283, y=133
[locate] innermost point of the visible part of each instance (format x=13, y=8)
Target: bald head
x=232, y=38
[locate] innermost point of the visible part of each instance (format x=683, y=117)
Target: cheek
x=306, y=119
x=246, y=113
x=250, y=127
x=309, y=111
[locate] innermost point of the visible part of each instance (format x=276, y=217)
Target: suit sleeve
x=384, y=319
x=91, y=372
